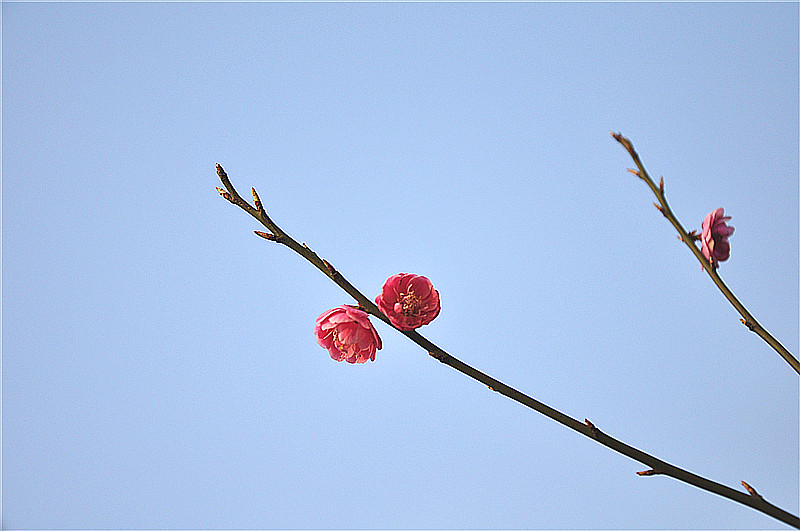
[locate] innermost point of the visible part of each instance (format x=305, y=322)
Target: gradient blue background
x=159, y=364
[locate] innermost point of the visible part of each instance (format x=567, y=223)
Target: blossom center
x=409, y=302
x=337, y=342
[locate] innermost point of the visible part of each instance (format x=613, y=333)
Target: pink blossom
x=409, y=301
x=714, y=237
x=348, y=334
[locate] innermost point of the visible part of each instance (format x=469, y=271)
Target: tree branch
x=586, y=428
x=747, y=319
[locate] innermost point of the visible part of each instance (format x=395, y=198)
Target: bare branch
x=585, y=428
x=689, y=239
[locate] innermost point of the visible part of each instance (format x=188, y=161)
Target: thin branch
x=586, y=428
x=689, y=238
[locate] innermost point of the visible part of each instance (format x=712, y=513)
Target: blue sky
x=159, y=364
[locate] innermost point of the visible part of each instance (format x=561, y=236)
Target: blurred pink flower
x=409, y=301
x=348, y=334
x=714, y=237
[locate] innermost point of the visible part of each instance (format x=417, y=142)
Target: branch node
x=752, y=491
x=660, y=208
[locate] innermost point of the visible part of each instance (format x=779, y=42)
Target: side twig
x=747, y=319
x=586, y=428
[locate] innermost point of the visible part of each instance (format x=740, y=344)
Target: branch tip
x=650, y=472
x=624, y=141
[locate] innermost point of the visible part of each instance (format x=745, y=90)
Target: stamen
x=410, y=302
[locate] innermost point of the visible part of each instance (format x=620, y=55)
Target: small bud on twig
x=661, y=185
x=592, y=428
x=266, y=235
x=647, y=473
x=257, y=201
x=440, y=356
x=748, y=324
x=329, y=267
x=751, y=490
x=224, y=194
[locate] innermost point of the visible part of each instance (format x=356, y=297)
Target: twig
x=588, y=429
x=689, y=238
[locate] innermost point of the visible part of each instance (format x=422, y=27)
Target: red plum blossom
x=409, y=301
x=347, y=333
x=714, y=237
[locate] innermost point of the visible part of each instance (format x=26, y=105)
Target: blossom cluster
x=408, y=301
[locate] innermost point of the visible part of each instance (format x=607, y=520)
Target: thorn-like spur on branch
x=588, y=429
x=689, y=238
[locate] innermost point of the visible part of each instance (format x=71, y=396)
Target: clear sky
x=159, y=365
